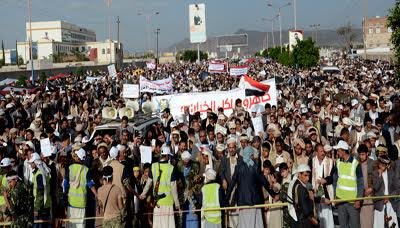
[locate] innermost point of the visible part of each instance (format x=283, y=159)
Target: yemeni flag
x=253, y=87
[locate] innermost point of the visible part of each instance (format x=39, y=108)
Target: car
x=141, y=124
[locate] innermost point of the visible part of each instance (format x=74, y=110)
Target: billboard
x=197, y=23
x=293, y=36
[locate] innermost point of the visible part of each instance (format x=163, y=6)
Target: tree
x=394, y=24
x=305, y=54
x=21, y=81
x=43, y=78
x=191, y=56
x=347, y=35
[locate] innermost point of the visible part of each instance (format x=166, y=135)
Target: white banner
x=197, y=23
x=151, y=66
x=200, y=102
x=238, y=71
x=130, y=91
x=216, y=67
x=112, y=71
x=163, y=86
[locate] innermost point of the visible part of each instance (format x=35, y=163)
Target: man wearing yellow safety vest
x=41, y=190
x=349, y=182
x=165, y=190
x=211, y=195
x=5, y=166
x=76, y=182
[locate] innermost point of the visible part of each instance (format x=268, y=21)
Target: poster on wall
x=293, y=36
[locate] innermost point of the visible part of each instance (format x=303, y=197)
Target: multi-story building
x=377, y=33
x=60, y=31
x=51, y=38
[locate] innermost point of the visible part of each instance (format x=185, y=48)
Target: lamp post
x=148, y=17
x=157, y=33
x=280, y=21
x=30, y=43
x=272, y=20
x=315, y=27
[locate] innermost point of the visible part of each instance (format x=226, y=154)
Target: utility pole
x=118, y=21
x=30, y=42
x=365, y=29
x=16, y=52
x=315, y=28
x=157, y=33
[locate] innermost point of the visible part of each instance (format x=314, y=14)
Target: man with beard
x=367, y=165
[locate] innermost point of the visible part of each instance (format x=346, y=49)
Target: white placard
x=163, y=86
x=216, y=67
x=197, y=23
x=238, y=71
x=45, y=147
x=112, y=71
x=150, y=65
x=258, y=125
x=145, y=154
x=130, y=91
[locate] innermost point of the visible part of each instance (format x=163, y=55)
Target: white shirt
x=385, y=182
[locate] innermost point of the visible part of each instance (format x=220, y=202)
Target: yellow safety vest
x=165, y=182
x=211, y=200
x=347, y=179
x=4, y=186
x=48, y=201
x=77, y=185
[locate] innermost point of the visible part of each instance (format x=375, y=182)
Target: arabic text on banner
x=163, y=86
x=238, y=71
x=200, y=102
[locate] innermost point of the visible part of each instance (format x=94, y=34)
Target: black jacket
x=248, y=181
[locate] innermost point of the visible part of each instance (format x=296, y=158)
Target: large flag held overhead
x=253, y=87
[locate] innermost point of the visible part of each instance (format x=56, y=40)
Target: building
x=377, y=34
x=51, y=39
x=10, y=56
x=60, y=31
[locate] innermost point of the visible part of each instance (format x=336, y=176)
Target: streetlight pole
x=272, y=28
x=365, y=29
x=148, y=17
x=30, y=43
x=295, y=14
x=157, y=33
x=280, y=21
x=315, y=28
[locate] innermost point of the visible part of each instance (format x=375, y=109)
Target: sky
x=222, y=17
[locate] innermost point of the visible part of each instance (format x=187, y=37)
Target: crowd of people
x=330, y=139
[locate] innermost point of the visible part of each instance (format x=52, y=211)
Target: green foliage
x=43, y=77
x=394, y=24
x=79, y=71
x=191, y=56
x=21, y=81
x=305, y=54
x=20, y=60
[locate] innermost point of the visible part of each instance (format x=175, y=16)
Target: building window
x=103, y=51
x=370, y=31
x=378, y=30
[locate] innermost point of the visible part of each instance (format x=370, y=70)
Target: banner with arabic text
x=163, y=86
x=200, y=102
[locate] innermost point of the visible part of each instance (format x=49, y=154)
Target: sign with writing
x=130, y=91
x=200, y=102
x=163, y=86
x=112, y=71
x=197, y=23
x=151, y=66
x=45, y=147
x=216, y=67
x=238, y=71
x=258, y=125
